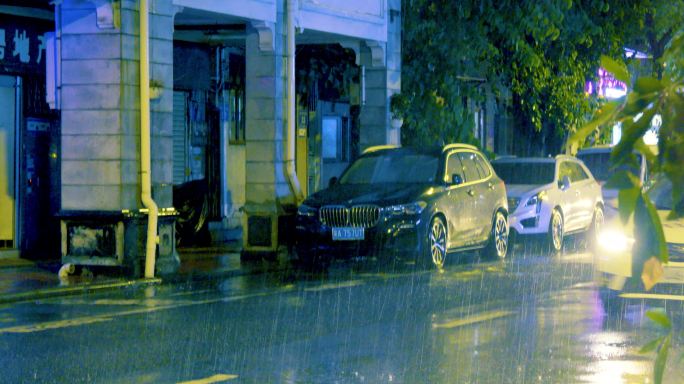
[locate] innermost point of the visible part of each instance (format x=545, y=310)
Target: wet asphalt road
x=525, y=320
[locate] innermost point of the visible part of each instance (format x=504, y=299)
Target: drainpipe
x=289, y=163
x=145, y=163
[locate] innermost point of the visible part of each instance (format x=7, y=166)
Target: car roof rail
x=376, y=148
x=459, y=145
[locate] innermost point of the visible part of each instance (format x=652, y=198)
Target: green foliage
x=661, y=345
x=536, y=56
x=650, y=97
x=660, y=318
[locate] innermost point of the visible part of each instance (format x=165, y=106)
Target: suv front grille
x=365, y=216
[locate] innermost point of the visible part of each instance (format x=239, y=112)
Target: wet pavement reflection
x=525, y=320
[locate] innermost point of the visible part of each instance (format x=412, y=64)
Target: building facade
x=238, y=134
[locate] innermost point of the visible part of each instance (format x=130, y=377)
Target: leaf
x=640, y=146
x=648, y=85
x=618, y=69
x=632, y=132
x=622, y=180
x=605, y=113
x=661, y=359
x=659, y=318
x=651, y=273
x=627, y=199
x=658, y=227
x=651, y=345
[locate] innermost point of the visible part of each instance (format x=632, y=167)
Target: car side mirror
x=456, y=179
x=332, y=181
x=564, y=183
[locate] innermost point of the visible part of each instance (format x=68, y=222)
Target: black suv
x=414, y=204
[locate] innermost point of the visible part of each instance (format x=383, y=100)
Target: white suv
x=551, y=197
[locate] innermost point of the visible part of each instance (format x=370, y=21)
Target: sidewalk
x=25, y=280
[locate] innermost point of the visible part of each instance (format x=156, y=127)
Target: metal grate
x=365, y=216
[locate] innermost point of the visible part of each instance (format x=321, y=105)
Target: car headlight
x=513, y=203
x=406, y=209
x=615, y=241
x=305, y=210
x=536, y=200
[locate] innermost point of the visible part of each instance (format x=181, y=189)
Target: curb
x=75, y=290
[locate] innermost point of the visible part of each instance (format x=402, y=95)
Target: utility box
x=117, y=239
x=263, y=232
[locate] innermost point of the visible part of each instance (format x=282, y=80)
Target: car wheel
x=497, y=246
x=594, y=229
x=556, y=232
x=437, y=242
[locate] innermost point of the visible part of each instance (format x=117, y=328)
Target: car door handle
x=471, y=193
x=577, y=193
x=490, y=185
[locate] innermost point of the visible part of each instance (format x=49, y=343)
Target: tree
x=650, y=96
x=661, y=21
x=539, y=52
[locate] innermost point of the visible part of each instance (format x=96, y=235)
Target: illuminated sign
x=606, y=86
x=22, y=44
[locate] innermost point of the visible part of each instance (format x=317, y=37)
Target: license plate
x=347, y=233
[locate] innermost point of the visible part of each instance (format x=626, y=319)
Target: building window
x=331, y=138
x=335, y=138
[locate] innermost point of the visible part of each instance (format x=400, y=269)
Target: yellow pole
x=145, y=163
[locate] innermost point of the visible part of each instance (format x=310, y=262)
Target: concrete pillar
x=101, y=106
x=267, y=193
x=382, y=62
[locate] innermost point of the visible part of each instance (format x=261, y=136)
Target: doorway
x=9, y=95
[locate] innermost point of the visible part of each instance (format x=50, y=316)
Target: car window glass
x=469, y=167
x=482, y=167
x=598, y=164
x=578, y=173
x=524, y=173
x=564, y=170
x=453, y=167
x=392, y=168
x=600, y=167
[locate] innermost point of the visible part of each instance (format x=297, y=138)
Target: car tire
x=497, y=245
x=594, y=229
x=556, y=232
x=435, y=244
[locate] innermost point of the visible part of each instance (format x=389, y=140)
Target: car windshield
x=525, y=172
x=661, y=193
x=392, y=168
x=599, y=165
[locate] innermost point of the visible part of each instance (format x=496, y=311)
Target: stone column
x=382, y=62
x=101, y=109
x=267, y=190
